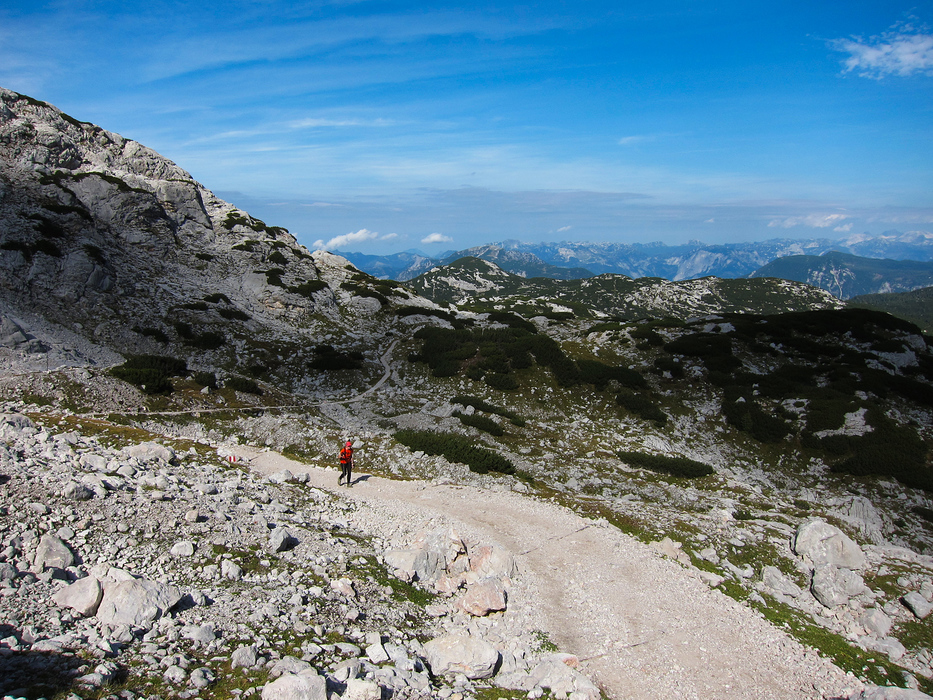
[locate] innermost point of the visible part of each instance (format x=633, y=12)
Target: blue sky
x=385, y=126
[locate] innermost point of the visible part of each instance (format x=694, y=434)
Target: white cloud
x=437, y=238
x=631, y=140
x=811, y=220
x=845, y=228
x=564, y=228
x=361, y=236
x=314, y=123
x=904, y=50
x=710, y=221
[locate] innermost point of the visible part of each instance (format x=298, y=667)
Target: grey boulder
x=136, y=602
x=307, y=685
x=823, y=543
x=460, y=653
x=83, y=596
x=52, y=552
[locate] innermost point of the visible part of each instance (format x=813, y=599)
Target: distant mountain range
x=846, y=276
x=479, y=285
x=572, y=260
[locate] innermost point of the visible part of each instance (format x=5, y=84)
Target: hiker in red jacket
x=346, y=463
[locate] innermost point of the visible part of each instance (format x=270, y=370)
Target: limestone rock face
x=136, y=602
x=822, y=543
x=460, y=653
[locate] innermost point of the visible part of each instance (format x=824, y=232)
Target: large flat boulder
x=83, y=596
x=307, y=685
x=458, y=652
x=822, y=543
x=136, y=602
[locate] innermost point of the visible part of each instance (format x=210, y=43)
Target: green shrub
x=888, y=450
x=209, y=340
x=150, y=372
x=512, y=321
x=242, y=384
x=206, y=257
x=361, y=291
x=502, y=382
x=675, y=466
x=233, y=314
x=923, y=512
x=208, y=379
x=455, y=448
x=327, y=359
x=668, y=364
x=277, y=257
x=273, y=277
x=747, y=416
x=416, y=310
x=481, y=405
x=641, y=406
x=184, y=330
x=600, y=374
x=154, y=333
x=487, y=425
x=307, y=289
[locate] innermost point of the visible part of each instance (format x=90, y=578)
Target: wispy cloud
x=903, y=50
x=564, y=228
x=437, y=238
x=633, y=140
x=317, y=123
x=812, y=221
x=361, y=236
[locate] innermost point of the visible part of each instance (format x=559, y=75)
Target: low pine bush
x=641, y=406
x=675, y=466
x=150, y=372
x=307, y=289
x=208, y=379
x=244, y=385
x=487, y=425
x=455, y=448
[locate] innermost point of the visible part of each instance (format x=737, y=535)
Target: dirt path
x=643, y=625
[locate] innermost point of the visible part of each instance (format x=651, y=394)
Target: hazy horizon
x=392, y=126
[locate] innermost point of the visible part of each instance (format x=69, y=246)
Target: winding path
x=643, y=626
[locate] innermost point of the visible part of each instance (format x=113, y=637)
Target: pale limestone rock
x=307, y=685
x=358, y=689
x=834, y=586
x=137, y=602
x=917, y=604
x=822, y=543
x=83, y=596
x=52, y=552
x=460, y=653
x=483, y=598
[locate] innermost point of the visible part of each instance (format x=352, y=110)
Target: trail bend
x=642, y=625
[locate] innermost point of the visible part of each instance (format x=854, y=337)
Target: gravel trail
x=642, y=625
